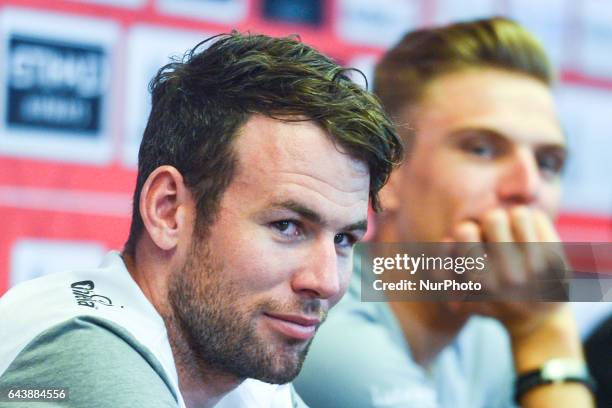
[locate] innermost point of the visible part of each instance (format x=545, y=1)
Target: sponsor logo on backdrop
x=378, y=23
x=55, y=85
x=224, y=11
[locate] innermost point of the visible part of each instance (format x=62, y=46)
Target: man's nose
x=520, y=181
x=319, y=276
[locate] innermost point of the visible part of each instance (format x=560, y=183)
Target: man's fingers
x=557, y=265
x=506, y=260
x=525, y=231
x=518, y=259
x=545, y=229
x=496, y=226
x=468, y=236
x=523, y=224
x=467, y=231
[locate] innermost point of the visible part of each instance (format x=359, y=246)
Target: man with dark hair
x=255, y=172
x=485, y=153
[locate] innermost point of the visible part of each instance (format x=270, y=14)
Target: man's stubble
x=221, y=334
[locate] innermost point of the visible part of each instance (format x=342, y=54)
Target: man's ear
x=166, y=205
x=389, y=195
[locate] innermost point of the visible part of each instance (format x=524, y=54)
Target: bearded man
x=256, y=169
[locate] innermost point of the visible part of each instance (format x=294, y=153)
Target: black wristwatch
x=554, y=371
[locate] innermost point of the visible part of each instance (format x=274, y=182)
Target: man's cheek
x=345, y=279
x=551, y=202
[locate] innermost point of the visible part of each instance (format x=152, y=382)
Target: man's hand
x=516, y=267
x=538, y=331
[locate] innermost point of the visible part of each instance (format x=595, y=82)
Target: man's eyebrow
x=314, y=217
x=494, y=134
x=357, y=226
x=300, y=209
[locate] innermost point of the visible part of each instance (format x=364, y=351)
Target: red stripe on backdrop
x=23, y=224
x=124, y=15
x=55, y=174
x=577, y=78
x=584, y=228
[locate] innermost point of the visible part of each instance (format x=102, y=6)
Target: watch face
x=560, y=369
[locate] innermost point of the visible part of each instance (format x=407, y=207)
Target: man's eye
x=550, y=163
x=344, y=240
x=481, y=149
x=287, y=228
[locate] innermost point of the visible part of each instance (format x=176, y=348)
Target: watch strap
x=554, y=371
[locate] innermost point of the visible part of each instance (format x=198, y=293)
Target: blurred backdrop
x=74, y=101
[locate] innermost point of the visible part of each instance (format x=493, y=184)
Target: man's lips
x=295, y=326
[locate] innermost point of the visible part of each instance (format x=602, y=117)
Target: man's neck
x=428, y=328
x=200, y=386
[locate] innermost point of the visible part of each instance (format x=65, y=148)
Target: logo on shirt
x=85, y=296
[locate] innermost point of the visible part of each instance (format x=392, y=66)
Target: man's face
x=255, y=287
x=485, y=139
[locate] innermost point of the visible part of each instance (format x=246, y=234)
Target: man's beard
x=221, y=334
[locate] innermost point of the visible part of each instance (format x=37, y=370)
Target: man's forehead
x=270, y=148
x=513, y=105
